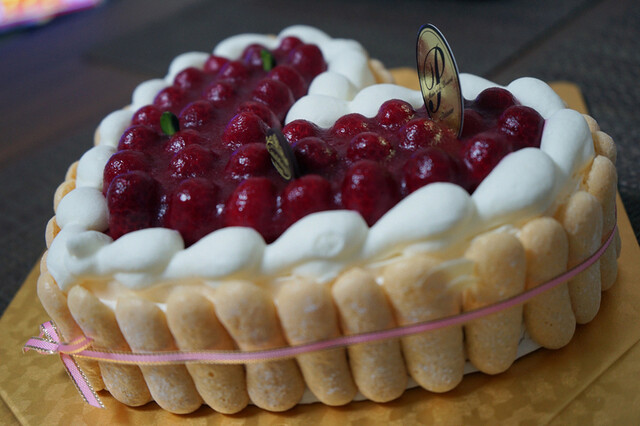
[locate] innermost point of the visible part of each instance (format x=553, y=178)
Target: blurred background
x=60, y=77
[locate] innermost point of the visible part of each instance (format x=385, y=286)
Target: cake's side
x=512, y=251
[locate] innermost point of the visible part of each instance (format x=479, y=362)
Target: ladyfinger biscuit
x=72, y=171
x=378, y=367
x=548, y=317
x=492, y=341
x=63, y=189
x=248, y=314
x=51, y=231
x=581, y=218
x=601, y=183
x=54, y=302
x=307, y=315
x=223, y=387
x=592, y=123
x=144, y=326
x=124, y=382
x=435, y=359
x=605, y=146
x=43, y=262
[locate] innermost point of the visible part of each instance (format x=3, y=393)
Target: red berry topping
x=192, y=161
x=276, y=95
x=287, y=44
x=426, y=166
x=292, y=78
x=249, y=160
x=472, y=123
x=523, y=125
x=214, y=63
x=131, y=200
x=369, y=146
x=369, y=189
x=189, y=79
x=182, y=139
x=196, y=115
x=253, y=204
x=394, y=114
x=123, y=162
x=138, y=138
x=171, y=99
x=299, y=129
x=308, y=60
x=314, y=154
x=192, y=209
x=306, y=195
x=350, y=125
x=261, y=110
x=234, y=70
x=244, y=128
x=219, y=93
x=252, y=55
x=149, y=116
x=420, y=133
x=494, y=100
x=482, y=153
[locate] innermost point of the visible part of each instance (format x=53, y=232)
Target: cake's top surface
x=361, y=147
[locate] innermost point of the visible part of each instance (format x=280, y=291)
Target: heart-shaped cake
x=178, y=232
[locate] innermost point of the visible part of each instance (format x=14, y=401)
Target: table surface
x=58, y=81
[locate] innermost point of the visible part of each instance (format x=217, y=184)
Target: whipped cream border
x=322, y=244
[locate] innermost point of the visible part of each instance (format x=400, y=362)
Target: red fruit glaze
x=192, y=209
x=138, y=138
x=253, y=204
x=523, y=126
x=306, y=195
x=473, y=123
x=369, y=146
x=426, y=166
x=130, y=199
x=369, y=189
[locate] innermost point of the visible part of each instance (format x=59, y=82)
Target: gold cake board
x=592, y=379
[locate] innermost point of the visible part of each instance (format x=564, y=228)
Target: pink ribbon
x=79, y=347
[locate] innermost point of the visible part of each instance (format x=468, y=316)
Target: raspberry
x=426, y=166
x=252, y=56
x=192, y=161
x=171, y=99
x=249, y=160
x=138, y=138
x=350, y=125
x=234, y=70
x=287, y=44
x=189, y=79
x=276, y=95
x=197, y=115
x=306, y=195
x=244, y=128
x=420, y=133
x=131, y=199
x=307, y=60
x=368, y=189
x=192, y=209
x=481, y=154
x=123, y=162
x=369, y=146
x=291, y=78
x=299, y=129
x=523, y=125
x=473, y=123
x=314, y=154
x=261, y=110
x=219, y=93
x=394, y=114
x=149, y=116
x=183, y=138
x=494, y=100
x=253, y=204
x=214, y=63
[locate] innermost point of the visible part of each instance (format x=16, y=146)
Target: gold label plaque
x=281, y=154
x=439, y=79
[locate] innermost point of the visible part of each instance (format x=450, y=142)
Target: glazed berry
x=350, y=125
x=276, y=95
x=182, y=139
x=244, y=128
x=292, y=78
x=523, y=125
x=131, y=200
x=261, y=110
x=253, y=204
x=420, y=133
x=192, y=209
x=307, y=60
x=299, y=129
x=214, y=63
x=123, y=162
x=171, y=98
x=138, y=138
x=481, y=154
x=252, y=56
x=394, y=114
x=197, y=115
x=426, y=166
x=219, y=93
x=369, y=146
x=494, y=100
x=249, y=160
x=368, y=189
x=189, y=79
x=148, y=115
x=287, y=44
x=313, y=154
x=234, y=70
x=306, y=195
x=472, y=123
x=192, y=161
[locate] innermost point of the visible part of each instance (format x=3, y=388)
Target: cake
x=176, y=232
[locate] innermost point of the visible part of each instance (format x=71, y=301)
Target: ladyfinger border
x=593, y=203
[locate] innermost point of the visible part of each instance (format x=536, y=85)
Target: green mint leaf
x=169, y=123
x=268, y=60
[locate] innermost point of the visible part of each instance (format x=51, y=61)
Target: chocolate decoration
x=439, y=78
x=282, y=156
